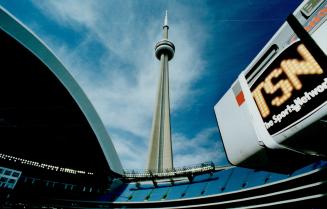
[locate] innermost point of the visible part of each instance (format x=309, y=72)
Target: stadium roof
x=44, y=114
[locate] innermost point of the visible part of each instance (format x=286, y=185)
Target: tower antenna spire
x=160, y=156
x=166, y=19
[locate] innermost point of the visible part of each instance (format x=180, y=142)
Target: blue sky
x=108, y=46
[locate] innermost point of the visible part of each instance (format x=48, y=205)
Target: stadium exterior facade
x=30, y=177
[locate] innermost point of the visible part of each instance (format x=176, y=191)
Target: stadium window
x=3, y=179
x=15, y=174
x=11, y=181
x=8, y=173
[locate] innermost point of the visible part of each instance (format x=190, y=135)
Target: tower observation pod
x=160, y=156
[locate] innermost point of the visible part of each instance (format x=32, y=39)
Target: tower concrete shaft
x=160, y=156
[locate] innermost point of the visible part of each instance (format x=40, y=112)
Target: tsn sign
x=293, y=85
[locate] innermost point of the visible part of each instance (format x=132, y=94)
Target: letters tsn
x=292, y=68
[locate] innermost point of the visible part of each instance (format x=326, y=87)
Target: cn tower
x=160, y=156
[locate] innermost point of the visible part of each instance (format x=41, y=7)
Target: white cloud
x=122, y=81
x=70, y=12
x=191, y=151
x=130, y=149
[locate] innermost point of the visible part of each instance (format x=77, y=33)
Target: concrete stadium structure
x=41, y=100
